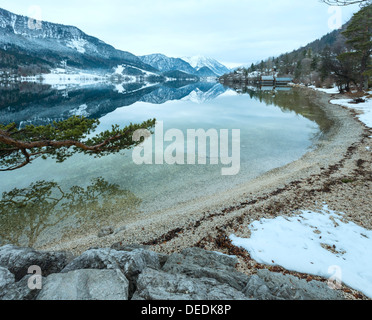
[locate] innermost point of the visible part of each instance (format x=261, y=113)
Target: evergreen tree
x=262, y=66
x=359, y=35
x=60, y=140
x=314, y=63
x=309, y=53
x=325, y=63
x=298, y=71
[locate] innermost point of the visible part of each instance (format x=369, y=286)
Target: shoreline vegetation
x=337, y=172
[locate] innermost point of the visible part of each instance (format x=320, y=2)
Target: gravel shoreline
x=337, y=171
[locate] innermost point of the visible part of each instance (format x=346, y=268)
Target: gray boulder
x=132, y=247
x=19, y=290
x=131, y=263
x=18, y=260
x=159, y=285
x=198, y=263
x=6, y=277
x=132, y=271
x=85, y=285
x=268, y=285
x=93, y=259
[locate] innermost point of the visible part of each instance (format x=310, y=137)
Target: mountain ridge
x=52, y=43
x=165, y=64
x=199, y=66
x=29, y=47
x=198, y=62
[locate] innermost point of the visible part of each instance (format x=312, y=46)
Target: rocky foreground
x=135, y=273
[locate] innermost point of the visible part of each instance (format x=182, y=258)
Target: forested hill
x=342, y=56
x=299, y=63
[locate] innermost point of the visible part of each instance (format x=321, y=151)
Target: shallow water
x=47, y=200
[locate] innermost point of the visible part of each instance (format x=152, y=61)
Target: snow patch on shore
x=60, y=79
x=334, y=90
x=364, y=107
x=317, y=243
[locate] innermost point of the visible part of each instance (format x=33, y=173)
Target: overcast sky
x=234, y=32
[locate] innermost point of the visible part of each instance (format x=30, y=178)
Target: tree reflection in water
x=26, y=213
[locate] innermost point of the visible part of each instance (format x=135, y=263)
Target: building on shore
x=275, y=81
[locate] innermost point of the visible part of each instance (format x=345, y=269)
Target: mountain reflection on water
x=38, y=104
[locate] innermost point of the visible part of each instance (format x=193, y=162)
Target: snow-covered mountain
x=29, y=47
x=200, y=66
x=205, y=72
x=24, y=41
x=165, y=64
x=198, y=62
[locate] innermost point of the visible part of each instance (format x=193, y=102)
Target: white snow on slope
x=198, y=62
x=302, y=244
x=77, y=44
x=120, y=68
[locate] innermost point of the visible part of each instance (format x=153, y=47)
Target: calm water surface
x=47, y=200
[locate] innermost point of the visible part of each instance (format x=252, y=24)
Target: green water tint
x=26, y=213
x=291, y=100
x=47, y=201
